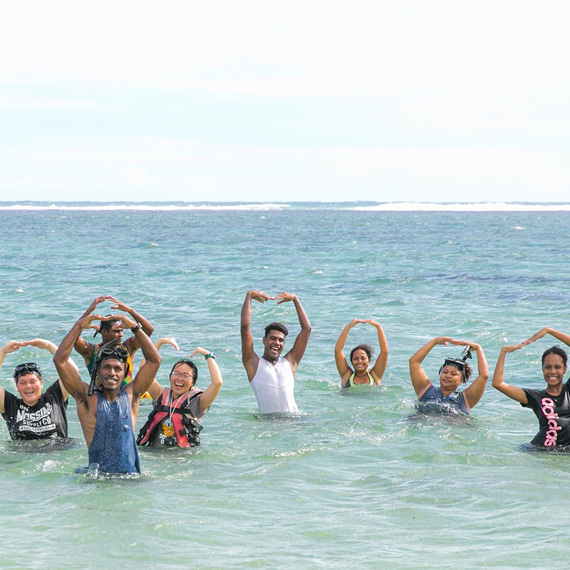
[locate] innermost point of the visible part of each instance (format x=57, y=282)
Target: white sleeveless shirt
x=273, y=386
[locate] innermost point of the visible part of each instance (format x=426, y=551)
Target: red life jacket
x=186, y=427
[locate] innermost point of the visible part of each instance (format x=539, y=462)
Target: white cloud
x=401, y=74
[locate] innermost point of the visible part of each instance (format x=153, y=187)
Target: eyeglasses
x=27, y=368
x=185, y=376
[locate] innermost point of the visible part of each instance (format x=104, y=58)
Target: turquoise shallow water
x=357, y=479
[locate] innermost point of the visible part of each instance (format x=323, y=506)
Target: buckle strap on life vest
x=186, y=427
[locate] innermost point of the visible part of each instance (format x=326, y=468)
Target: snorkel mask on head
x=112, y=349
x=27, y=368
x=460, y=364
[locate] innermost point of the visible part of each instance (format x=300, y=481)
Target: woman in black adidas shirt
x=551, y=405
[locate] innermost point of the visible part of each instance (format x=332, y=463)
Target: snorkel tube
x=460, y=364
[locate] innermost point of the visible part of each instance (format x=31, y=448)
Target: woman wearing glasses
x=175, y=419
x=34, y=415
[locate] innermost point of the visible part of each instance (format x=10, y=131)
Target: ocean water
x=358, y=479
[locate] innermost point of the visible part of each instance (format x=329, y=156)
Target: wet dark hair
x=460, y=364
x=192, y=366
x=27, y=368
x=556, y=350
x=108, y=325
x=365, y=347
x=276, y=327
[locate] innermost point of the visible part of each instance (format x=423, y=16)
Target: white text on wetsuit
x=35, y=422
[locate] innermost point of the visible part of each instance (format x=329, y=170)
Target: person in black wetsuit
x=35, y=414
x=452, y=373
x=551, y=405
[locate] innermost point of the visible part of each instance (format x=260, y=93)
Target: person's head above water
x=29, y=382
x=111, y=330
x=360, y=356
x=458, y=364
x=558, y=351
x=27, y=368
x=276, y=327
x=554, y=365
x=183, y=376
x=274, y=341
x=111, y=366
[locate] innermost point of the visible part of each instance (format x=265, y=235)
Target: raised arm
x=48, y=345
x=66, y=368
x=12, y=346
x=249, y=359
x=212, y=391
x=159, y=344
x=155, y=389
x=563, y=337
x=166, y=340
x=296, y=353
x=132, y=343
x=380, y=365
x=147, y=372
x=419, y=378
x=80, y=345
x=511, y=391
x=474, y=391
x=8, y=348
x=342, y=365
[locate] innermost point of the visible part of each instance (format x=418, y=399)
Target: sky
x=266, y=101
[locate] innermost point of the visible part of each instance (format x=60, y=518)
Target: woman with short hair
x=34, y=415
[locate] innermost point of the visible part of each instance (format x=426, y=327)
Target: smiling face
x=449, y=379
x=274, y=344
x=360, y=361
x=181, y=379
x=29, y=387
x=111, y=373
x=553, y=369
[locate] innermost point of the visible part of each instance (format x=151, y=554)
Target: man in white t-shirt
x=272, y=378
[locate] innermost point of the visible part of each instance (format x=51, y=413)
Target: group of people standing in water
x=108, y=405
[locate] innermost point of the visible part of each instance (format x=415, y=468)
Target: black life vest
x=186, y=427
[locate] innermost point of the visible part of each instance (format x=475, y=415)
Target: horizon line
x=360, y=205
